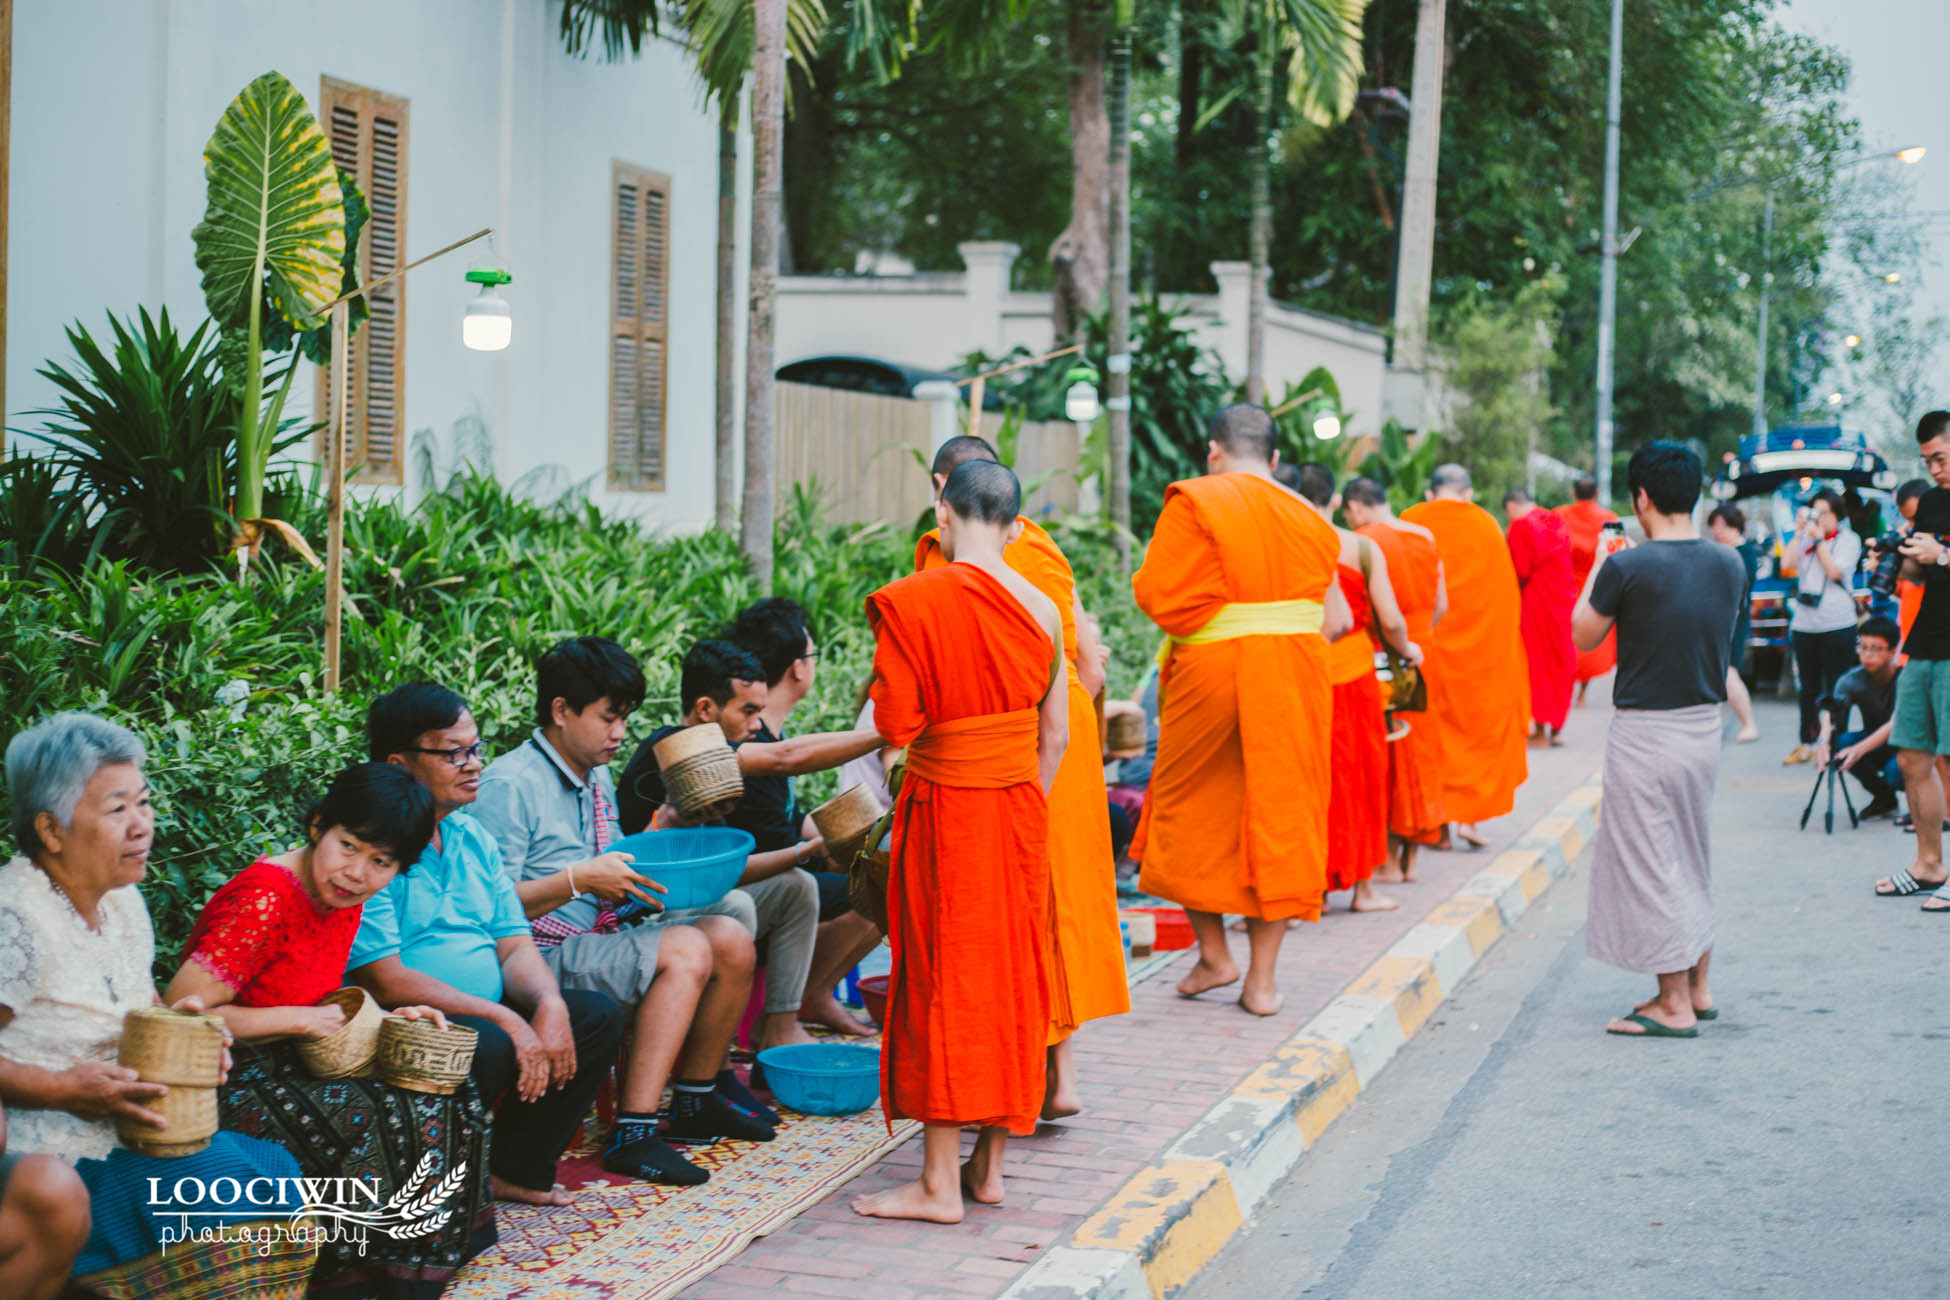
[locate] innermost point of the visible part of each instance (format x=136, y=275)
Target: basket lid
x=689, y=743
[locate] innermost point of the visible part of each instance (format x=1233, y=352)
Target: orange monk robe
x=1484, y=718
x=1088, y=980
x=1236, y=816
x=1909, y=600
x=1584, y=519
x=959, y=669
x=1357, y=807
x=1540, y=551
x=1415, y=807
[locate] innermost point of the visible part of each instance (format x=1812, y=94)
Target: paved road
x=1799, y=1147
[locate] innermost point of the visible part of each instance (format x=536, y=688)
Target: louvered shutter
x=639, y=328
x=368, y=131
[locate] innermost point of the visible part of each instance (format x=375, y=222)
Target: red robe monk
x=1540, y=551
x=1357, y=809
x=1585, y=517
x=968, y=675
x=1484, y=716
x=1087, y=976
x=1240, y=576
x=1415, y=807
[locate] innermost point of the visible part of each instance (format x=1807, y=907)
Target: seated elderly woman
x=269, y=946
x=75, y=952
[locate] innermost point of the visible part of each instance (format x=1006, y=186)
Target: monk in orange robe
x=1240, y=576
x=1357, y=810
x=968, y=675
x=1540, y=552
x=1484, y=719
x=1087, y=976
x=1415, y=808
x=1585, y=517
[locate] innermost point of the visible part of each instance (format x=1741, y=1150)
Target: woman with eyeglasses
x=270, y=946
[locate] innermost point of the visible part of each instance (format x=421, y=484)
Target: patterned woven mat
x=627, y=1240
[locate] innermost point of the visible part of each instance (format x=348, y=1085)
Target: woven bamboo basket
x=348, y=1051
x=845, y=821
x=183, y=1049
x=1124, y=732
x=420, y=1057
x=699, y=768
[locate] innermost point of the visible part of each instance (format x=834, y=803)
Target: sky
x=1896, y=49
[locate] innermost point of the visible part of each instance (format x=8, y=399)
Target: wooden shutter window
x=639, y=328
x=368, y=130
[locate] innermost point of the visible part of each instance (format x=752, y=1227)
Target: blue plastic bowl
x=823, y=1078
x=698, y=865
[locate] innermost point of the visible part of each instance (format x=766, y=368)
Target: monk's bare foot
x=1443, y=843
x=1471, y=838
x=1202, y=978
x=980, y=1182
x=1239, y=926
x=1366, y=900
x=1059, y=1089
x=784, y=1035
x=829, y=1014
x=912, y=1201
x=507, y=1191
x=1261, y=1004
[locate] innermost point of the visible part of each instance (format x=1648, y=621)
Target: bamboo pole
x=335, y=494
x=977, y=383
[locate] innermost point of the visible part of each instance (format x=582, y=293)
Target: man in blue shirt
x=451, y=934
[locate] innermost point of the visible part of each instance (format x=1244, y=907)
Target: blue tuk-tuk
x=1771, y=478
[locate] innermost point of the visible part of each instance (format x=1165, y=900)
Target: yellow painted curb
x=1174, y=1217
x=1477, y=916
x=1317, y=1074
x=1564, y=831
x=1409, y=982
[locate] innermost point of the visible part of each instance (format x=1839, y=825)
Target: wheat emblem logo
x=414, y=1210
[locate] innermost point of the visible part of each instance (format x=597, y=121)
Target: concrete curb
x=1171, y=1219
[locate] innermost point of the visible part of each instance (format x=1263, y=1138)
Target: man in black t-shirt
x=1869, y=688
x=775, y=632
x=1922, y=731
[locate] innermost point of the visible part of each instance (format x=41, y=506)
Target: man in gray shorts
x=551, y=807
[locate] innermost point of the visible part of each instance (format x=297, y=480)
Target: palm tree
x=729, y=41
x=1322, y=41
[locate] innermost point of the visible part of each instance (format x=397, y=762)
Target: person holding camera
x=1922, y=719
x=1821, y=627
x=1870, y=689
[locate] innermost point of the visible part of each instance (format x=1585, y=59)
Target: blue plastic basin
x=823, y=1078
x=698, y=865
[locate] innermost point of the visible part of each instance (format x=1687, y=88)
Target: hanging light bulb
x=1080, y=404
x=488, y=324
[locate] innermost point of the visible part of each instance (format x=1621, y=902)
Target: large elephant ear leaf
x=276, y=217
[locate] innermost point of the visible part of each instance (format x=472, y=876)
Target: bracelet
x=574, y=893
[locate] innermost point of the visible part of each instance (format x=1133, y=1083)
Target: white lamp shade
x=488, y=324
x=1327, y=426
x=1080, y=402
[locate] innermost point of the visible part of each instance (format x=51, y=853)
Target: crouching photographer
x=1921, y=731
x=1869, y=688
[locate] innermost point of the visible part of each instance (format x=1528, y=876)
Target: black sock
x=634, y=1126
x=687, y=1096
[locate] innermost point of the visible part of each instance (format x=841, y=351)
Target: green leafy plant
x=272, y=237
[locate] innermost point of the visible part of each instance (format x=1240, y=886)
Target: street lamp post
x=1608, y=272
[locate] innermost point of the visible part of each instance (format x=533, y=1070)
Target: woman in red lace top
x=269, y=946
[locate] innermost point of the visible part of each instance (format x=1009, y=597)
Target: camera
x=1889, y=562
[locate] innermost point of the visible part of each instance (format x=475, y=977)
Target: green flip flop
x=1653, y=1029
x=1711, y=1013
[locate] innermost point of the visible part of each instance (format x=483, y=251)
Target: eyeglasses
x=458, y=756
x=810, y=654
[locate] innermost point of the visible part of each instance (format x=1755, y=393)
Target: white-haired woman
x=75, y=954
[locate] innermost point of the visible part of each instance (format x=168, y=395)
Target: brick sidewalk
x=1145, y=1077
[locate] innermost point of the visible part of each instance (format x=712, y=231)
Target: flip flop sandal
x=1940, y=896
x=1902, y=885
x=1711, y=1013
x=1653, y=1029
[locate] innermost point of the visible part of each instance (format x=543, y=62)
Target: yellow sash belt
x=1253, y=618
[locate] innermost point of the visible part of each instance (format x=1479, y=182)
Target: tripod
x=1831, y=774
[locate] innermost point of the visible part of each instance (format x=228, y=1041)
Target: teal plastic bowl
x=823, y=1078
x=698, y=865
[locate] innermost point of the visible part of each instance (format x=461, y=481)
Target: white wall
x=113, y=101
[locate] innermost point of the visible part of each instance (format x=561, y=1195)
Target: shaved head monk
x=1540, y=551
x=1240, y=576
x=1485, y=711
x=1087, y=976
x=1357, y=811
x=968, y=675
x=1585, y=518
x=1415, y=807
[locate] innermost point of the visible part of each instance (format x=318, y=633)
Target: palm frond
x=1323, y=41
